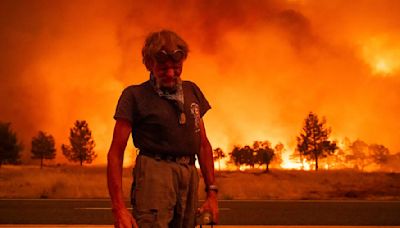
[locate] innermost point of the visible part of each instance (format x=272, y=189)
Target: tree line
x=313, y=145
x=260, y=153
x=80, y=149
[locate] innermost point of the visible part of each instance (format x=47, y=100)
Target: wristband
x=212, y=187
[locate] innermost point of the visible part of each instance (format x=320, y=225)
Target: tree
x=379, y=154
x=43, y=147
x=249, y=156
x=359, y=154
x=243, y=156
x=264, y=153
x=237, y=156
x=10, y=148
x=218, y=155
x=82, y=144
x=313, y=141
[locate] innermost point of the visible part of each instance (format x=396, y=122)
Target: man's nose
x=170, y=72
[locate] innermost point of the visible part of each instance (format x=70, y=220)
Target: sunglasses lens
x=161, y=56
x=178, y=55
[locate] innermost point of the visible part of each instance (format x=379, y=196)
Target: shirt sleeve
x=203, y=103
x=126, y=105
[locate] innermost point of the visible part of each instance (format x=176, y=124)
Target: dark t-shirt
x=155, y=120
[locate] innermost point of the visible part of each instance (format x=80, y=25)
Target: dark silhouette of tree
x=359, y=154
x=313, y=141
x=260, y=153
x=10, y=148
x=266, y=156
x=82, y=144
x=218, y=155
x=237, y=156
x=249, y=156
x=243, y=156
x=264, y=153
x=43, y=147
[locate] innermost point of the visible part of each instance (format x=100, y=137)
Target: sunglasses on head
x=176, y=56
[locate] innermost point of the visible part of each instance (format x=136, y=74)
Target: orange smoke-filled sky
x=263, y=65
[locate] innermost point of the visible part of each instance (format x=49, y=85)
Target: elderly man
x=164, y=115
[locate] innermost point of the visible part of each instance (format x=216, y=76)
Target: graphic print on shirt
x=195, y=110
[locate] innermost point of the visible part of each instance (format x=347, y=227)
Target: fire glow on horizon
x=263, y=65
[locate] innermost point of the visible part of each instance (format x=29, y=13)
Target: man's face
x=167, y=74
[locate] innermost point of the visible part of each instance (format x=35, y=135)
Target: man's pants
x=164, y=193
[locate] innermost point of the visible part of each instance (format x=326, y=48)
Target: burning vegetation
x=313, y=146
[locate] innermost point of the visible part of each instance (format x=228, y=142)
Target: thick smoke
x=263, y=65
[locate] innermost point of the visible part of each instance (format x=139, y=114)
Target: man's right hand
x=124, y=219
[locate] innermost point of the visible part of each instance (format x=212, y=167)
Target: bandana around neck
x=176, y=96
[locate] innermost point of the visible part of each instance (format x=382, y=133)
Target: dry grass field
x=90, y=182
x=309, y=185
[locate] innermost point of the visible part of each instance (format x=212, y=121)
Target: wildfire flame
x=263, y=65
x=383, y=55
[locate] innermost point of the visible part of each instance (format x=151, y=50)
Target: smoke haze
x=263, y=65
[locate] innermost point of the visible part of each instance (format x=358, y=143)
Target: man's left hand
x=210, y=205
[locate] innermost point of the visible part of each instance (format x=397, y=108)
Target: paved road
x=339, y=213
x=216, y=226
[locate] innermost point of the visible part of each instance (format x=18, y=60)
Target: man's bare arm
x=206, y=163
x=115, y=160
x=206, y=160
